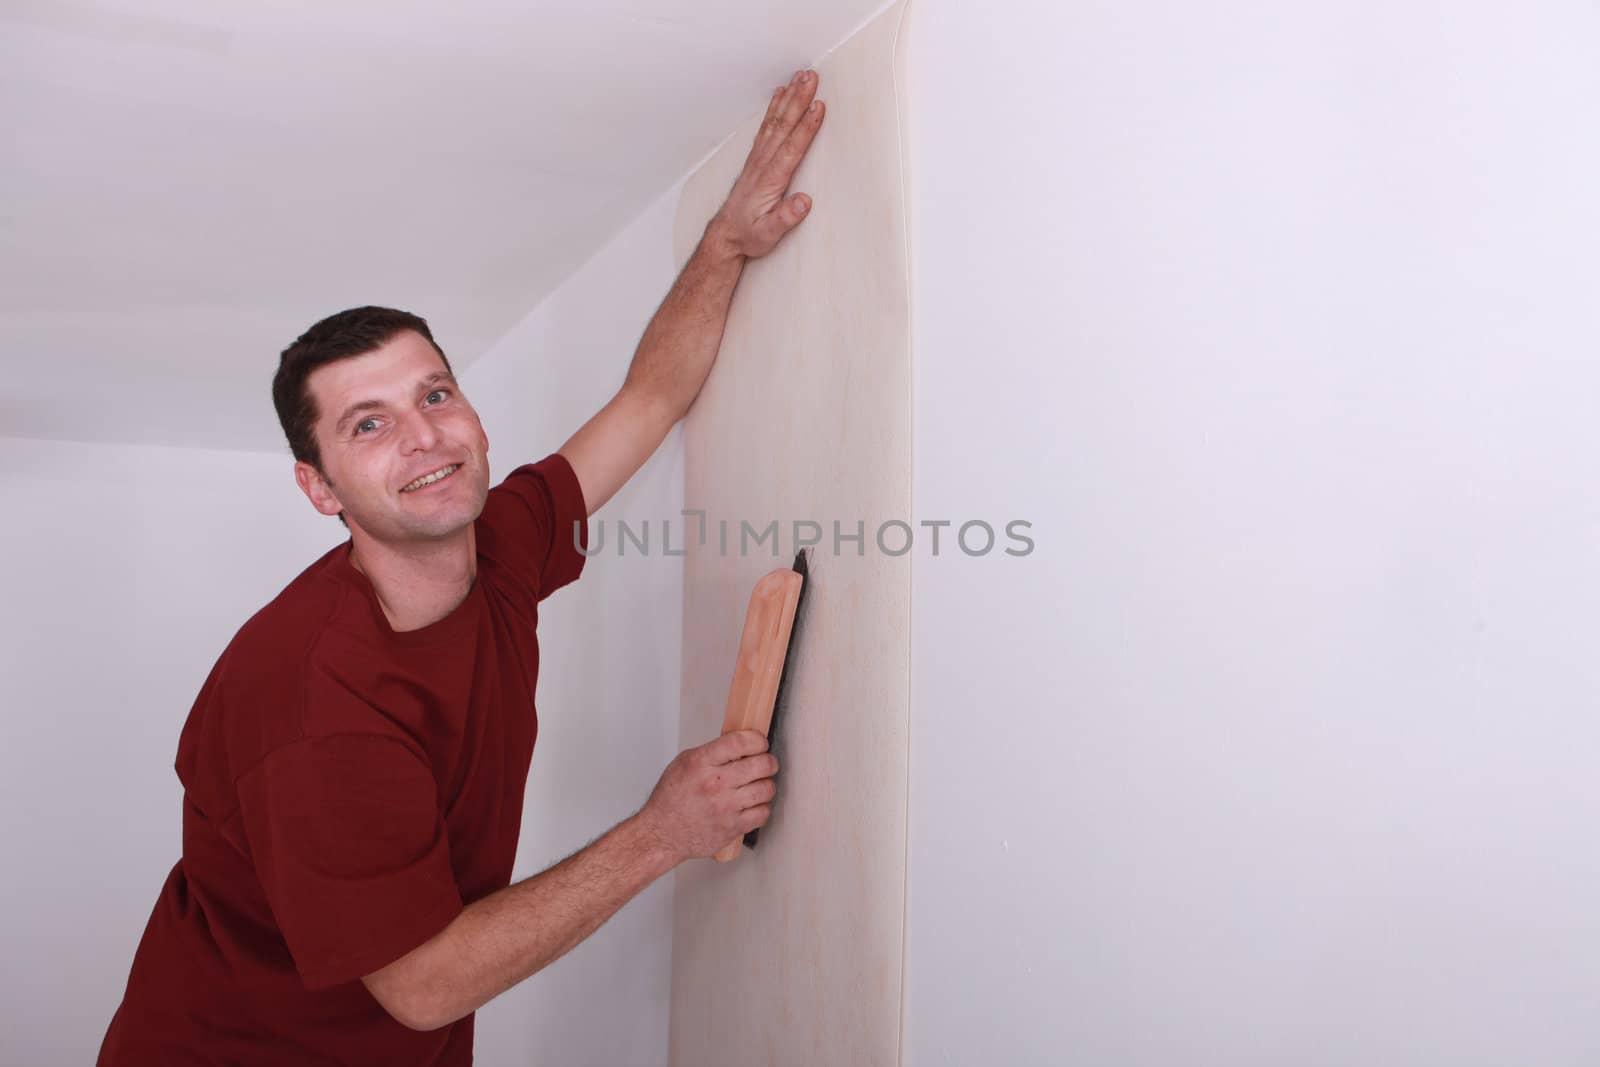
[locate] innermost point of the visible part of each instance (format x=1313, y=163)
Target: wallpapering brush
x=761, y=673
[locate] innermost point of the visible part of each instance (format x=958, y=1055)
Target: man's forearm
x=498, y=941
x=677, y=350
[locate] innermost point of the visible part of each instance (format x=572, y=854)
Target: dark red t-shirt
x=347, y=791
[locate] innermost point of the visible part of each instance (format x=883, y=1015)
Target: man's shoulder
x=533, y=525
x=267, y=663
x=284, y=629
x=255, y=699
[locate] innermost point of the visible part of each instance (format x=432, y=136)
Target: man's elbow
x=659, y=407
x=406, y=1001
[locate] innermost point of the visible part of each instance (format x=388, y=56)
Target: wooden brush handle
x=762, y=649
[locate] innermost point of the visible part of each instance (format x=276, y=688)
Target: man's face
x=384, y=420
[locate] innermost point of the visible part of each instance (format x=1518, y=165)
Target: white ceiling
x=186, y=186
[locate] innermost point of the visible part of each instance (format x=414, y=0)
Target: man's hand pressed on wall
x=758, y=212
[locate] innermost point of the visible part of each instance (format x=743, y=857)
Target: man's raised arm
x=680, y=344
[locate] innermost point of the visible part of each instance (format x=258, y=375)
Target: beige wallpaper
x=792, y=953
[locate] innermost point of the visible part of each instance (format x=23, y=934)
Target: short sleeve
x=351, y=852
x=536, y=523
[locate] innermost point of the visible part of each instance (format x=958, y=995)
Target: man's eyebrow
x=369, y=405
x=353, y=410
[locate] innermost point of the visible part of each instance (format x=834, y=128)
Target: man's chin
x=445, y=524
x=440, y=525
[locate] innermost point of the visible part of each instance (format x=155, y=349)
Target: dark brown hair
x=354, y=332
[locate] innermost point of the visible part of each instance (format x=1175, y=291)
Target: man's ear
x=316, y=488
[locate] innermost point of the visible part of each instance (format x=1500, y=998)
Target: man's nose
x=418, y=432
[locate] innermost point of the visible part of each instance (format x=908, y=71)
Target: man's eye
x=362, y=424
x=439, y=393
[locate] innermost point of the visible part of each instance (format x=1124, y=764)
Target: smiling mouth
x=429, y=479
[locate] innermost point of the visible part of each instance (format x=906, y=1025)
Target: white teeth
x=429, y=479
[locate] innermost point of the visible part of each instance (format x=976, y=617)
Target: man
x=354, y=765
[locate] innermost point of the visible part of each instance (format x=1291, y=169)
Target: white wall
x=609, y=647
x=130, y=567
x=1278, y=322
